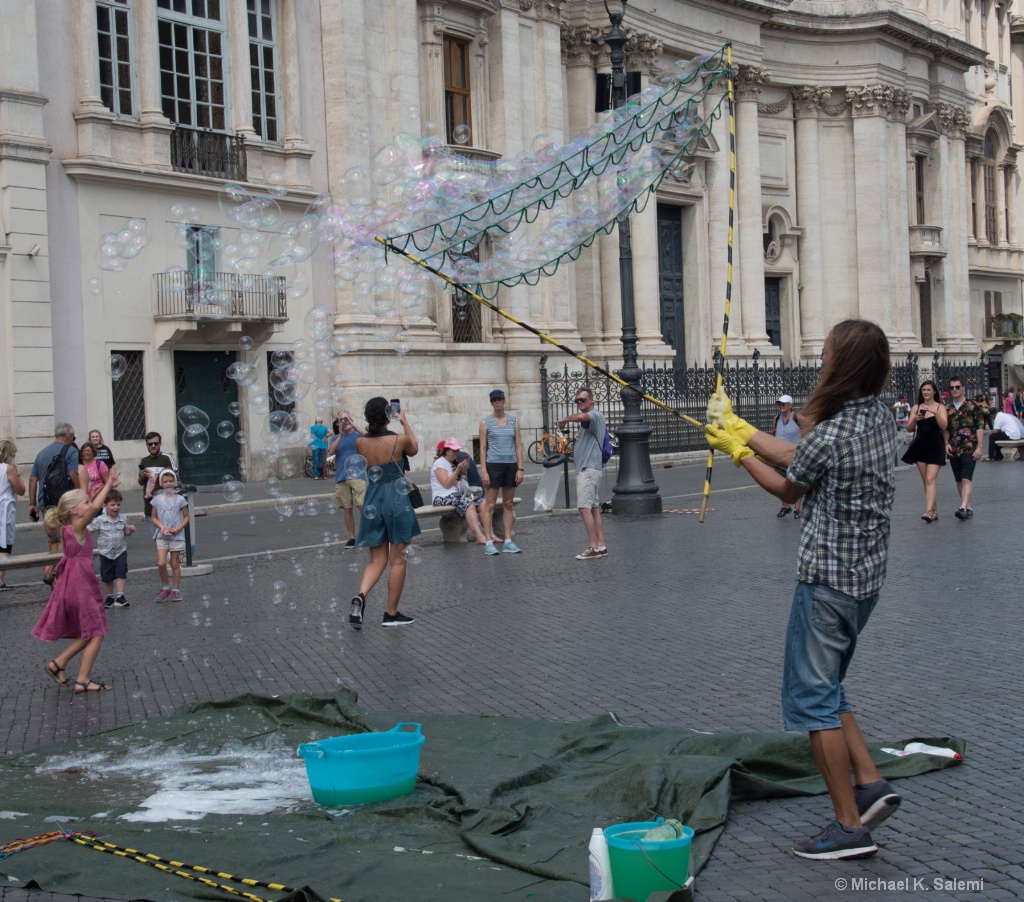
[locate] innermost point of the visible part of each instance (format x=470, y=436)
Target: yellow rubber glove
x=727, y=442
x=720, y=414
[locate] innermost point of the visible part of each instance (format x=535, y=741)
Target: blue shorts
x=963, y=467
x=820, y=640
x=114, y=568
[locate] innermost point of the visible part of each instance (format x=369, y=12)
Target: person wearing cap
x=787, y=428
x=501, y=450
x=445, y=473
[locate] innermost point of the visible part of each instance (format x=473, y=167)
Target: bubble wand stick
x=594, y=366
x=720, y=363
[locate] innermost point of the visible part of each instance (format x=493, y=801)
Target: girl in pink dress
x=91, y=472
x=75, y=610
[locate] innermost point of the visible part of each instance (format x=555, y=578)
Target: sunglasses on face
x=582, y=400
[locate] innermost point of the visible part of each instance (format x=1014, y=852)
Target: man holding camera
x=350, y=484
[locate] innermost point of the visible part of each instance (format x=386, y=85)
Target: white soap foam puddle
x=11, y=815
x=237, y=780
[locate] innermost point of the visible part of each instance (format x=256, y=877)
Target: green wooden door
x=201, y=379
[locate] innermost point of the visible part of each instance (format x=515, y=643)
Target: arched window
x=988, y=172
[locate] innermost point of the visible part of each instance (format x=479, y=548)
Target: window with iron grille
x=457, y=106
x=467, y=326
x=114, y=47
x=129, y=397
x=263, y=68
x=275, y=400
x=191, y=39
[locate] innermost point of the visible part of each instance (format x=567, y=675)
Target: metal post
x=635, y=491
x=190, y=547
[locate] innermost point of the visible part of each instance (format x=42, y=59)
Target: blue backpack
x=606, y=447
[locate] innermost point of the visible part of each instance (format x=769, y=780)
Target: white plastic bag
x=547, y=489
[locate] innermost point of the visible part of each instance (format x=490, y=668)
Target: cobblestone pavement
x=682, y=624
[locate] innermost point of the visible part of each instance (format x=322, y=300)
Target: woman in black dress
x=928, y=421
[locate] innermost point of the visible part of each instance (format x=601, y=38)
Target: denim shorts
x=820, y=640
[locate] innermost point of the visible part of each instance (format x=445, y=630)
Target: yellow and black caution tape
x=720, y=362
x=175, y=867
x=585, y=360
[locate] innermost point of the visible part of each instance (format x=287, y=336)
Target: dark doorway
x=924, y=296
x=773, y=310
x=670, y=273
x=201, y=379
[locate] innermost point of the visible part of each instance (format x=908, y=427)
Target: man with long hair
x=843, y=468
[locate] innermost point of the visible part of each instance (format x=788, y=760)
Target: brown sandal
x=87, y=686
x=54, y=674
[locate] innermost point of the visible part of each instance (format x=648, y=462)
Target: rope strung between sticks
x=173, y=867
x=585, y=360
x=720, y=362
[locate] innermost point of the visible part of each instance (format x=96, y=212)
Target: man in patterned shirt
x=965, y=438
x=843, y=466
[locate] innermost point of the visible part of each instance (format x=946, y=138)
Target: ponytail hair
x=59, y=516
x=376, y=412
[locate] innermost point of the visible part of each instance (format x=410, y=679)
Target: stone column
x=1002, y=234
x=1011, y=193
x=748, y=249
x=980, y=230
x=806, y=103
x=432, y=62
x=86, y=59
x=902, y=288
x=237, y=22
x=156, y=149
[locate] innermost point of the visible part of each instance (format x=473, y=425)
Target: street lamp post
x=635, y=490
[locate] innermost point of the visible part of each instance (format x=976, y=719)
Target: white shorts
x=588, y=484
x=170, y=543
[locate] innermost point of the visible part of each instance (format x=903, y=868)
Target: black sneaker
x=968, y=514
x=121, y=602
x=836, y=842
x=875, y=802
x=796, y=515
x=960, y=514
x=782, y=513
x=351, y=543
x=108, y=602
x=355, y=616
x=397, y=619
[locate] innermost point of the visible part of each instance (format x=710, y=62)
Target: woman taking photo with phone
x=928, y=450
x=389, y=522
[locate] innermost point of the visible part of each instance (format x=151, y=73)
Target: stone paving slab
x=681, y=625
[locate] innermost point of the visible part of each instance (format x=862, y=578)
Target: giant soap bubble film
x=481, y=223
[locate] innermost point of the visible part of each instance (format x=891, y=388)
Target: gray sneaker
x=835, y=842
x=875, y=802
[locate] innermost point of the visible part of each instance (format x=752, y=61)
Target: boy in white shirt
x=109, y=532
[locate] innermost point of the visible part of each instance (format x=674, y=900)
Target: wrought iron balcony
x=1004, y=327
x=205, y=152
x=220, y=296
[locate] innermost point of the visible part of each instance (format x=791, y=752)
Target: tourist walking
x=965, y=438
x=589, y=466
x=928, y=421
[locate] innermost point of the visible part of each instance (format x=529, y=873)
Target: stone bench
x=453, y=527
x=27, y=561
x=1016, y=446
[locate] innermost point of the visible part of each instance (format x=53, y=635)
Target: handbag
x=415, y=498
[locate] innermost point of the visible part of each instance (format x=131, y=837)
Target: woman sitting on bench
x=445, y=490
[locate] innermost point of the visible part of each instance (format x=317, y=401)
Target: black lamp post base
x=637, y=505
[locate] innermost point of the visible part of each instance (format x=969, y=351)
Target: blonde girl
x=75, y=610
x=11, y=485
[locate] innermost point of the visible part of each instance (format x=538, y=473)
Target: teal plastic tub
x=367, y=767
x=640, y=868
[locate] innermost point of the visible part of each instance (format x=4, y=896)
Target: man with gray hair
x=63, y=447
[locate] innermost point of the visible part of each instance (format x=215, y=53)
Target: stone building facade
x=876, y=176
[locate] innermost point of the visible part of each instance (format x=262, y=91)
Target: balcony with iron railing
x=1007, y=327
x=220, y=296
x=209, y=153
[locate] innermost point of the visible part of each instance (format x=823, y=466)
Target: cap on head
x=497, y=395
x=785, y=399
x=452, y=444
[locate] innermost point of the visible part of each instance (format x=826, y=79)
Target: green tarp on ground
x=503, y=808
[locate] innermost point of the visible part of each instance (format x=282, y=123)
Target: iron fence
x=220, y=295
x=204, y=152
x=753, y=385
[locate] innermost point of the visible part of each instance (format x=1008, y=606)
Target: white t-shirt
x=1010, y=425
x=436, y=489
x=168, y=507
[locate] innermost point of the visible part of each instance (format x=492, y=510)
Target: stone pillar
x=1002, y=235
x=748, y=251
x=237, y=23
x=980, y=230
x=86, y=59
x=156, y=148
x=432, y=64
x=806, y=103
x=1011, y=189
x=902, y=288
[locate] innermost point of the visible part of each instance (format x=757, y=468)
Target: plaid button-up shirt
x=847, y=462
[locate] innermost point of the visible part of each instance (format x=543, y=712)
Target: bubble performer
x=75, y=609
x=844, y=466
x=394, y=524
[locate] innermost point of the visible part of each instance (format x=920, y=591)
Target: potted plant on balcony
x=1005, y=325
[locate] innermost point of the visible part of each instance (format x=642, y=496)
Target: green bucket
x=640, y=868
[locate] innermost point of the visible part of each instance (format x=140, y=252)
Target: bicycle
x=550, y=443
x=328, y=466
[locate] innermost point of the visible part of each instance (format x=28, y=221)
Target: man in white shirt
x=1005, y=428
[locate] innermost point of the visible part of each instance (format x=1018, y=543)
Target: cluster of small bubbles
x=116, y=367
x=117, y=248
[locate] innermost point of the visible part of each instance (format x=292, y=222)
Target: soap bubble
x=277, y=183
x=370, y=512
x=311, y=507
x=116, y=366
x=404, y=486
x=374, y=474
x=461, y=134
x=413, y=554
x=355, y=566
x=234, y=408
x=237, y=638
x=233, y=491
x=225, y=535
x=355, y=467
x=285, y=504
x=241, y=437
x=94, y=286
x=245, y=343
x=190, y=415
x=280, y=587
x=196, y=439
x=280, y=358
x=225, y=429
x=273, y=486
